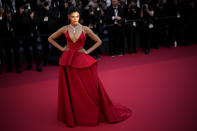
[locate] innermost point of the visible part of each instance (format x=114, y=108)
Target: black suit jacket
x=110, y=14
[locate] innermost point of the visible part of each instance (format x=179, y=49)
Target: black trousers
x=146, y=39
x=28, y=42
x=45, y=48
x=189, y=34
x=9, y=44
x=116, y=40
x=131, y=35
x=175, y=32
x=160, y=35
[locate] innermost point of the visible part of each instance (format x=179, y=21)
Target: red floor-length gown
x=82, y=99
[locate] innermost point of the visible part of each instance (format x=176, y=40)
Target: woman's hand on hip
x=82, y=50
x=65, y=49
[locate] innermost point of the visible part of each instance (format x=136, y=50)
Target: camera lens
x=160, y=3
x=132, y=6
x=144, y=6
x=46, y=3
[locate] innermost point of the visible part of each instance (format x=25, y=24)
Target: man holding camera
x=176, y=23
x=8, y=39
x=147, y=27
x=92, y=18
x=160, y=23
x=132, y=26
x=27, y=28
x=47, y=25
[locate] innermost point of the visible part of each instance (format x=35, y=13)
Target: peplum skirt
x=82, y=99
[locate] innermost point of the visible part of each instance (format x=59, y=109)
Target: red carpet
x=160, y=88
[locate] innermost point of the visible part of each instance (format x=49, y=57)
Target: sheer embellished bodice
x=82, y=99
x=79, y=43
x=73, y=57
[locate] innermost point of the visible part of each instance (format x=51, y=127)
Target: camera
x=144, y=6
x=27, y=8
x=122, y=3
x=69, y=3
x=8, y=10
x=161, y=3
x=46, y=3
x=132, y=6
x=90, y=8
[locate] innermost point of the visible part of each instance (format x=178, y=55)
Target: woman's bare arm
x=55, y=35
x=94, y=37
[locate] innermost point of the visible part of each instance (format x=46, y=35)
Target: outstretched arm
x=54, y=36
x=94, y=37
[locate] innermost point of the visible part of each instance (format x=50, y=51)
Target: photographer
x=29, y=29
x=94, y=21
x=147, y=27
x=99, y=12
x=160, y=23
x=176, y=23
x=115, y=17
x=132, y=27
x=8, y=36
x=47, y=24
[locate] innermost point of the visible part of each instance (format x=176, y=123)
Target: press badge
x=1, y=18
x=178, y=15
x=46, y=18
x=150, y=26
x=134, y=24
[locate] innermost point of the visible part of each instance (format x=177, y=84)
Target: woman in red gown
x=82, y=99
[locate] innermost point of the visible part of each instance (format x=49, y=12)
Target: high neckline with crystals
x=74, y=27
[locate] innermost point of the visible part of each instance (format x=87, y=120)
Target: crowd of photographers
x=125, y=23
